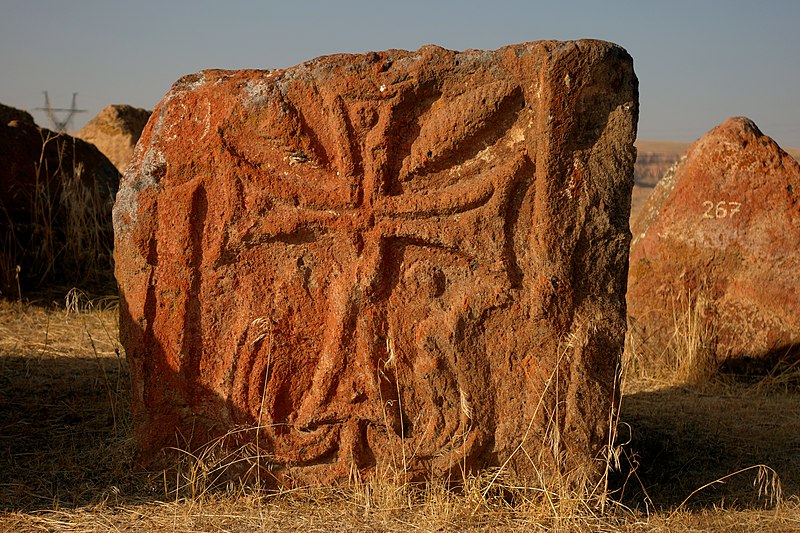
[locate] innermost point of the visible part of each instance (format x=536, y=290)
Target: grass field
x=720, y=455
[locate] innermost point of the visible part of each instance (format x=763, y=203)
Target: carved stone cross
x=355, y=380
x=402, y=259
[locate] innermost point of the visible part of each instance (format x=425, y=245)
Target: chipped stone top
x=115, y=131
x=504, y=78
x=733, y=163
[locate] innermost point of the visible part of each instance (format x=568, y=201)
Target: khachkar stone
x=720, y=237
x=403, y=259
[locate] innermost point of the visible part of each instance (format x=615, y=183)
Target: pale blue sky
x=698, y=62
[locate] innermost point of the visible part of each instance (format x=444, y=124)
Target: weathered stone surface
x=723, y=226
x=653, y=160
x=56, y=195
x=115, y=131
x=413, y=259
x=11, y=114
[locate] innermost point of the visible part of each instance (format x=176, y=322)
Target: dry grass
x=708, y=454
x=64, y=232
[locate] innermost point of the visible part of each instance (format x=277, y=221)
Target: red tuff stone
x=725, y=226
x=115, y=131
x=412, y=259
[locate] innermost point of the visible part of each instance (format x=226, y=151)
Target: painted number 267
x=721, y=209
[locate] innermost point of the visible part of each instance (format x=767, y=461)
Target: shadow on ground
x=64, y=431
x=681, y=438
x=65, y=438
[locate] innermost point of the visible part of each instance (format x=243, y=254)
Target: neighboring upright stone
x=115, y=131
x=56, y=195
x=11, y=114
x=724, y=227
x=404, y=259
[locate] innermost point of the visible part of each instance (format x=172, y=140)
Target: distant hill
x=674, y=147
x=654, y=158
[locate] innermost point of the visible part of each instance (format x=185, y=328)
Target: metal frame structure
x=60, y=125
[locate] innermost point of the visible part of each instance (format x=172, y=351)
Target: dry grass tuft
x=693, y=341
x=716, y=456
x=708, y=444
x=688, y=358
x=66, y=232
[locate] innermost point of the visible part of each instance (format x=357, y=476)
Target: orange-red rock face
x=726, y=227
x=413, y=259
x=115, y=131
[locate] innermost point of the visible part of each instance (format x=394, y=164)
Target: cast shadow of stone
x=65, y=438
x=64, y=432
x=67, y=435
x=681, y=438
